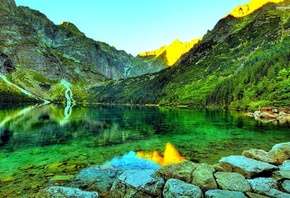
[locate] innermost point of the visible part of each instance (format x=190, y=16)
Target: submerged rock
x=131, y=161
x=61, y=179
x=177, y=188
x=96, y=178
x=246, y=166
x=64, y=192
x=138, y=183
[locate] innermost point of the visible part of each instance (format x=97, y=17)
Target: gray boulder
x=285, y=165
x=96, y=178
x=182, y=171
x=232, y=181
x=224, y=193
x=64, y=192
x=277, y=194
x=286, y=185
x=281, y=175
x=281, y=152
x=255, y=195
x=138, y=183
x=203, y=177
x=260, y=155
x=245, y=166
x=177, y=188
x=262, y=185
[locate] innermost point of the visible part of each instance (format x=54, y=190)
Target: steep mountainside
x=36, y=55
x=170, y=54
x=241, y=63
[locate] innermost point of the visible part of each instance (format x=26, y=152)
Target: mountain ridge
x=171, y=53
x=253, y=5
x=42, y=54
x=203, y=76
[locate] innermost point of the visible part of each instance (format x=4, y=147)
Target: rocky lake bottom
x=42, y=143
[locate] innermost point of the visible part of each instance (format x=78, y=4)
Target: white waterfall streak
x=16, y=86
x=69, y=101
x=22, y=90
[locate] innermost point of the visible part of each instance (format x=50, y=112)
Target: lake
x=38, y=142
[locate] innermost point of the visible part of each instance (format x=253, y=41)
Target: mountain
x=36, y=54
x=253, y=5
x=242, y=63
x=170, y=54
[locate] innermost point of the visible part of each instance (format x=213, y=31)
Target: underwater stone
x=58, y=192
x=97, y=177
x=61, y=179
x=131, y=161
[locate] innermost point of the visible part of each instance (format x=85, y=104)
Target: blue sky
x=137, y=25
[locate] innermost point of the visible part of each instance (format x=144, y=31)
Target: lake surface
x=38, y=142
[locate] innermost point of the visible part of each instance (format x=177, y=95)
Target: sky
x=137, y=25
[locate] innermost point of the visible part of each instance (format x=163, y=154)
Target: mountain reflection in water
x=199, y=135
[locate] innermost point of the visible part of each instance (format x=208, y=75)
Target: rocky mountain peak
x=72, y=28
x=9, y=5
x=253, y=5
x=172, y=52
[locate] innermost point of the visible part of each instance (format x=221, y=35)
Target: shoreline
x=254, y=173
x=271, y=115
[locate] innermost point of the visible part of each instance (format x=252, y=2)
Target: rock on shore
x=234, y=176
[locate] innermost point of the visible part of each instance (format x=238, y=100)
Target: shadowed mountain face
x=36, y=54
x=242, y=63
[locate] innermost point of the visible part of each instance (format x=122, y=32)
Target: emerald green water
x=37, y=143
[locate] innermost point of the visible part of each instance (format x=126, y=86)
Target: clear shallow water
x=40, y=142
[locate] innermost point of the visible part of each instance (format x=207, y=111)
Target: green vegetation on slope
x=241, y=63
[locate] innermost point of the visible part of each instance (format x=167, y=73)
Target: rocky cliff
x=36, y=54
